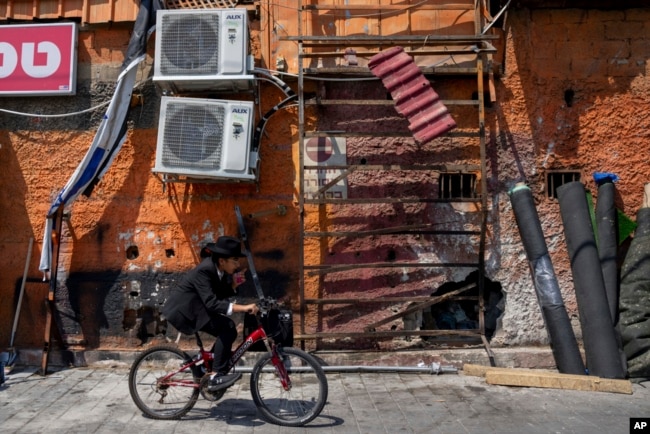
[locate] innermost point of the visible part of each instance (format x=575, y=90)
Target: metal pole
x=433, y=369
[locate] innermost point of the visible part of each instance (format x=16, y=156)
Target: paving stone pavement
x=97, y=400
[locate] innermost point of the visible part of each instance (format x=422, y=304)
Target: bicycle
x=288, y=385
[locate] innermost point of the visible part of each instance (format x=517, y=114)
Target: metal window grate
x=557, y=179
x=457, y=185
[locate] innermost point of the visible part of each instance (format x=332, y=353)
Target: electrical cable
x=63, y=115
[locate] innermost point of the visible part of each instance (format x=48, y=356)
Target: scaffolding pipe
x=433, y=369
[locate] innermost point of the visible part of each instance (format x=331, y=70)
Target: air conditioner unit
x=202, y=49
x=206, y=138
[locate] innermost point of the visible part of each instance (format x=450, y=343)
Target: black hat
x=226, y=246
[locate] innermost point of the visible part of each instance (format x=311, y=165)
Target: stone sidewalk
x=96, y=399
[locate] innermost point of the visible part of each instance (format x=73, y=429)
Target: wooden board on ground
x=545, y=378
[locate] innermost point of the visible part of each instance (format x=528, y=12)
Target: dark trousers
x=223, y=328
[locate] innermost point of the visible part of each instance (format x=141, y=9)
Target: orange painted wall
x=130, y=207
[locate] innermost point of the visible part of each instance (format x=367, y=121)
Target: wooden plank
x=459, y=168
x=415, y=52
x=381, y=102
x=375, y=7
x=419, y=306
x=390, y=200
x=339, y=133
x=480, y=370
x=319, y=40
x=362, y=71
x=50, y=304
x=324, y=269
x=403, y=230
x=7, y=9
x=414, y=299
x=547, y=379
x=71, y=8
x=559, y=381
x=47, y=339
x=324, y=301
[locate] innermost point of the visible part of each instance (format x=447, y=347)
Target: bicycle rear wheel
x=305, y=398
x=157, y=385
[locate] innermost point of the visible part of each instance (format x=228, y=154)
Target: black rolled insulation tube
x=598, y=335
x=563, y=341
x=607, y=224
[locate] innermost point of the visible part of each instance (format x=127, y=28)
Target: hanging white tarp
x=111, y=133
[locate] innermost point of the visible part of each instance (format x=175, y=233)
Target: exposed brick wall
x=600, y=57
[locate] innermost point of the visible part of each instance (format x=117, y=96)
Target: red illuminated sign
x=38, y=59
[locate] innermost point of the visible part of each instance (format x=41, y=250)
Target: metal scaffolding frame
x=479, y=46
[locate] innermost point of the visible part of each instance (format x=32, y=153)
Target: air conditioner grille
x=190, y=44
x=193, y=136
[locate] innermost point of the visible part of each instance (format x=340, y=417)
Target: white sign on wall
x=325, y=152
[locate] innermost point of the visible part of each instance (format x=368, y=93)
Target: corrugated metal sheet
x=413, y=95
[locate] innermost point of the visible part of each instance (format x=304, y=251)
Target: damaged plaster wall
x=599, y=59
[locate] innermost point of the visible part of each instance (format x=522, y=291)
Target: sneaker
x=218, y=381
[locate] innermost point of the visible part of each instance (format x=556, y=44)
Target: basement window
x=556, y=179
x=457, y=185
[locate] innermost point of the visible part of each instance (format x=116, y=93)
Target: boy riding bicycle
x=199, y=302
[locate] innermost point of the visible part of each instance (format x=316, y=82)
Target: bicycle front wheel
x=302, y=401
x=157, y=385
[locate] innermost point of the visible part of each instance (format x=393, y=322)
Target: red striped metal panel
x=413, y=95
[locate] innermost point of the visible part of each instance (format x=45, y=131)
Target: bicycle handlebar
x=266, y=304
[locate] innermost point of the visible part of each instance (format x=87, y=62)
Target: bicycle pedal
x=207, y=394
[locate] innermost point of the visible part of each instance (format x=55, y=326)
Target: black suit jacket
x=199, y=295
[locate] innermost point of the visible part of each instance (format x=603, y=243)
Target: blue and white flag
x=111, y=133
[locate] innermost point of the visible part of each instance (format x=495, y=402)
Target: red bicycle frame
x=207, y=357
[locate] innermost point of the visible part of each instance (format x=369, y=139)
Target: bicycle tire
x=168, y=401
x=305, y=399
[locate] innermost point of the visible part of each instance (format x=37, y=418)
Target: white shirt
x=220, y=273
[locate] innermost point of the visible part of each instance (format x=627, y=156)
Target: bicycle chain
x=205, y=393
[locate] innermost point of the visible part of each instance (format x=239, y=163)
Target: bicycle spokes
x=289, y=389
x=159, y=386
